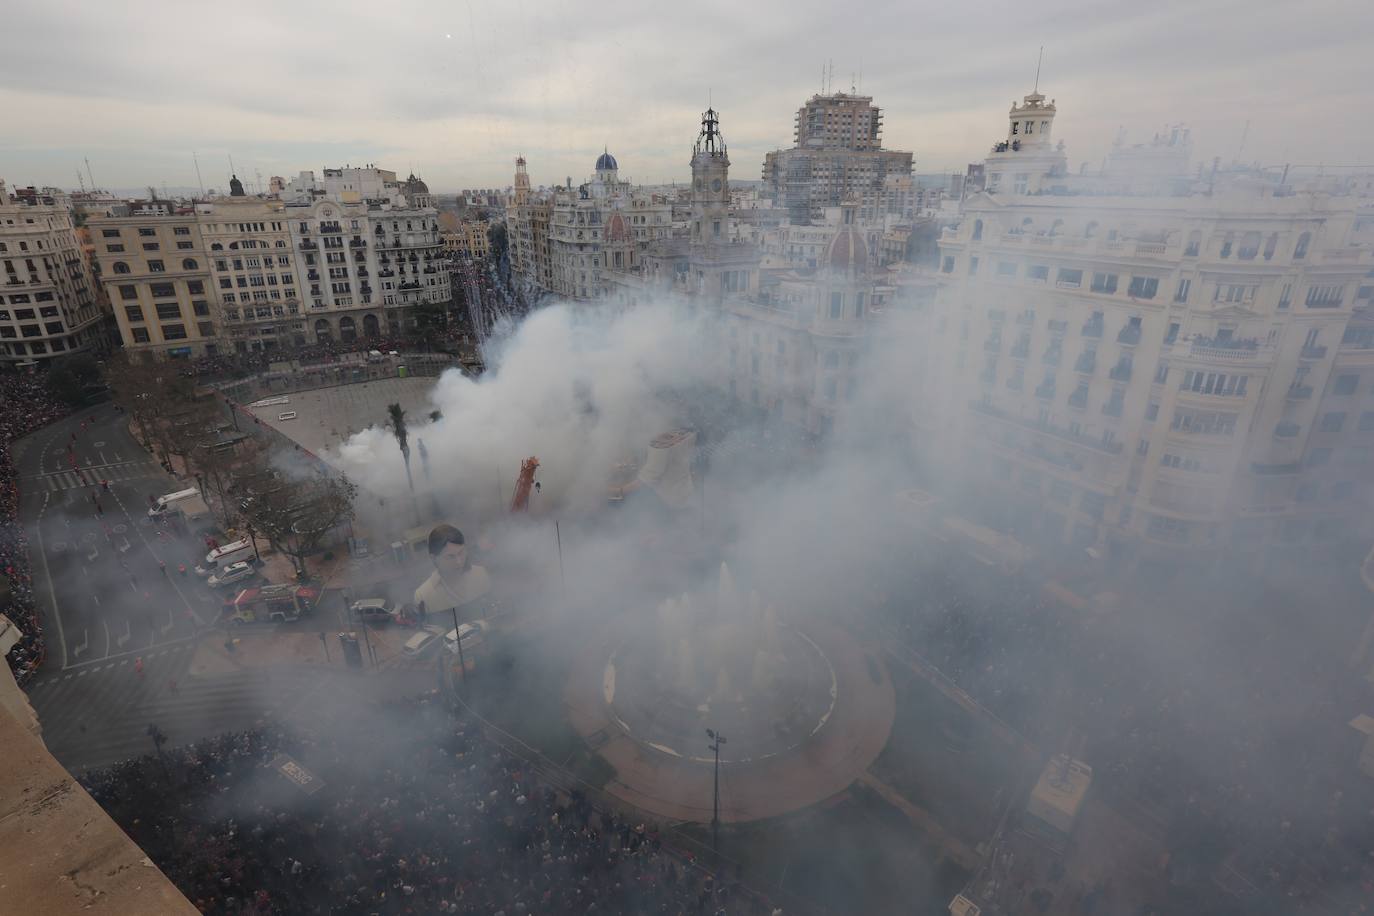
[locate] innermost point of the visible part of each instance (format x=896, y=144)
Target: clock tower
x=710, y=184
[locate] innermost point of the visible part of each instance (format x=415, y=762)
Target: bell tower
x=710, y=184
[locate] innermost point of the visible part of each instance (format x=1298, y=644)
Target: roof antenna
x=1038, y=61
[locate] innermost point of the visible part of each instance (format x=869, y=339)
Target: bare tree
x=297, y=515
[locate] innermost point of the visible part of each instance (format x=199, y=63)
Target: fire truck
x=270, y=604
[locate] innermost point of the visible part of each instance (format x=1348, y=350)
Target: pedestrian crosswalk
x=100, y=714
x=85, y=477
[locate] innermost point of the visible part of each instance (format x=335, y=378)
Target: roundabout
x=804, y=706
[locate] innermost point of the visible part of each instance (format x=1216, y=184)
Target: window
x=173, y=332
x=114, y=249
x=1300, y=251
x=1181, y=294
x=140, y=335
x=1143, y=287
x=128, y=291
x=1346, y=384
x=836, y=305
x=185, y=246
x=156, y=267
x=1006, y=269
x=973, y=266
x=168, y=311
x=1039, y=272
x=1366, y=421
x=1325, y=297
x=162, y=290
x=120, y=267
x=205, y=329
x=226, y=283
x=1068, y=278
x=201, y=307
x=1333, y=421
x=195, y=287
x=134, y=312
x=947, y=266
x=1104, y=283
x=146, y=231
x=189, y=264
x=1152, y=410
x=977, y=230
x=151, y=246
x=830, y=389
x=181, y=230
x=109, y=233
x=1286, y=297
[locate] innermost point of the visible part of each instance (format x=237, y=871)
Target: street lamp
x=717, y=739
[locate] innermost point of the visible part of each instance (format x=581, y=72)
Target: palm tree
x=397, y=415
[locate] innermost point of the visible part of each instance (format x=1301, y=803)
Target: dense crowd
x=418, y=813
x=27, y=407
x=1233, y=736
x=238, y=365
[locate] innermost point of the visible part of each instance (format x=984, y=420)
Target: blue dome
x=606, y=161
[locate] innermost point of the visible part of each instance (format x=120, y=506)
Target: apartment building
x=49, y=305
x=469, y=240
x=1144, y=359
x=837, y=155
x=253, y=273
x=157, y=276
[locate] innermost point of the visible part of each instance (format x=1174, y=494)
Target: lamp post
x=717, y=739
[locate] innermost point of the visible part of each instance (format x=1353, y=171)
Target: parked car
x=234, y=572
x=421, y=643
x=374, y=610
x=470, y=633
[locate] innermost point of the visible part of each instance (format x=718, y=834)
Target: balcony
x=1092, y=329
x=307, y=245
x=386, y=273
x=1299, y=392
x=1058, y=326
x=1287, y=430
x=331, y=230
x=357, y=243
x=312, y=275
x=1112, y=408
x=1045, y=390
x=1315, y=351
x=365, y=290
x=362, y=271
x=1086, y=362
x=1121, y=372
x=1020, y=349
x=1129, y=336
x=1229, y=350
x=1079, y=398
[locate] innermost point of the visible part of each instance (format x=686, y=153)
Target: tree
x=71, y=378
x=396, y=418
x=296, y=515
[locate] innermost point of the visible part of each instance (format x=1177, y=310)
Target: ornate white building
x=48, y=303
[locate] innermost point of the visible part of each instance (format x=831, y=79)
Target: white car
x=470, y=633
x=234, y=572
x=421, y=643
x=374, y=610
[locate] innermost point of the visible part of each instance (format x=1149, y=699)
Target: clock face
x=715, y=185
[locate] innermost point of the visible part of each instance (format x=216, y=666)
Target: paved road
x=95, y=552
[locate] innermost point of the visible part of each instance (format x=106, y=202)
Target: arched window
x=1304, y=241
x=977, y=230
x=1270, y=245
x=189, y=264
x=1194, y=244
x=1091, y=230
x=120, y=267
x=1058, y=224
x=216, y=247
x=1227, y=243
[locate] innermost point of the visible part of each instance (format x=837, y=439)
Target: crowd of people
x=27, y=407
x=418, y=813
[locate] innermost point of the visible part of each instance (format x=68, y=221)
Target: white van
x=166, y=502
x=221, y=557
x=421, y=642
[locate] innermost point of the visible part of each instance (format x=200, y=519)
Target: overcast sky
x=457, y=89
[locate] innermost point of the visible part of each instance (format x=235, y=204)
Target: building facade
x=157, y=277
x=837, y=155
x=49, y=305
x=1169, y=364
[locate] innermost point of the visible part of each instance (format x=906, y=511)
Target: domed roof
x=615, y=229
x=606, y=161
x=415, y=185
x=847, y=251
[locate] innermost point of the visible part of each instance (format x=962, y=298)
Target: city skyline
x=456, y=96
